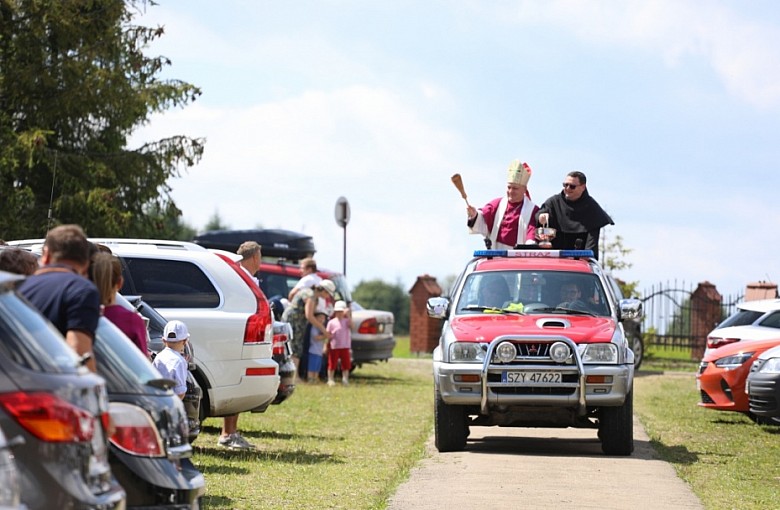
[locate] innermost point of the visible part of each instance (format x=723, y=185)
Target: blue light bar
x=552, y=254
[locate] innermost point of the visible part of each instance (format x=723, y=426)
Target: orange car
x=723, y=371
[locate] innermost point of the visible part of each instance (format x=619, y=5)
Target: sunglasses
x=566, y=185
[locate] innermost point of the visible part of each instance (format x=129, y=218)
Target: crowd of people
x=75, y=281
x=511, y=221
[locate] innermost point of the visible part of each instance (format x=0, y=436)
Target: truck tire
x=616, y=427
x=638, y=346
x=450, y=427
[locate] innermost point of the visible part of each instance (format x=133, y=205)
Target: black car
x=763, y=387
x=54, y=410
x=155, y=326
x=150, y=450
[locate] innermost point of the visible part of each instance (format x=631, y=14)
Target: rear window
x=771, y=321
x=276, y=285
x=741, y=318
x=120, y=362
x=169, y=283
x=29, y=340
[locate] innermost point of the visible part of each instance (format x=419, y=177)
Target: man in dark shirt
x=576, y=216
x=62, y=293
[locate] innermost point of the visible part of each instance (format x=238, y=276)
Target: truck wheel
x=449, y=426
x=638, y=346
x=616, y=427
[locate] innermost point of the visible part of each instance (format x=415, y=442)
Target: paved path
x=510, y=468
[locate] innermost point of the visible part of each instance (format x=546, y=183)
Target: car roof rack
x=278, y=243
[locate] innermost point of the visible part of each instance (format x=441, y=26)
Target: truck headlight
x=770, y=366
x=559, y=352
x=468, y=352
x=506, y=352
x=599, y=353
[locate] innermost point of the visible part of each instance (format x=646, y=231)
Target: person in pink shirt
x=340, y=344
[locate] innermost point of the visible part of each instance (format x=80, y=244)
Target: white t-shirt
x=307, y=282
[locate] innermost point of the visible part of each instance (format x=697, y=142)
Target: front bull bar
x=486, y=366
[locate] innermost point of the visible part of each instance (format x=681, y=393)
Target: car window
x=28, y=339
x=276, y=285
x=342, y=288
x=740, y=318
x=771, y=321
x=169, y=283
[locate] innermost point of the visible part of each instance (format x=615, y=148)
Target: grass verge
x=659, y=358
x=350, y=447
x=325, y=447
x=729, y=461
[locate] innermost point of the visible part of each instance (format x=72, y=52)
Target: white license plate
x=531, y=377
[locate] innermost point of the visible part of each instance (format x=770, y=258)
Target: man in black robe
x=576, y=216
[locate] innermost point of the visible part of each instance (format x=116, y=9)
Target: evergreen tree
x=379, y=295
x=74, y=84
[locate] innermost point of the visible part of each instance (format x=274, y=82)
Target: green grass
x=667, y=359
x=729, y=461
x=325, y=447
x=402, y=349
x=350, y=447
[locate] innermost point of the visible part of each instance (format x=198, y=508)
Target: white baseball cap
x=339, y=306
x=175, y=331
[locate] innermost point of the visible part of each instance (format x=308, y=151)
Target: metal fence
x=678, y=315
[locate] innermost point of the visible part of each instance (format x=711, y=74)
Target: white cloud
x=744, y=53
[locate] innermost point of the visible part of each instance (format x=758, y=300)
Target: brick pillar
x=424, y=331
x=706, y=313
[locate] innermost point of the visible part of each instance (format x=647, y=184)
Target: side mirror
x=631, y=309
x=438, y=307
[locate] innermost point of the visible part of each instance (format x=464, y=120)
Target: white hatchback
x=229, y=319
x=753, y=320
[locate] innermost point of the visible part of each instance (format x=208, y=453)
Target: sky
x=670, y=107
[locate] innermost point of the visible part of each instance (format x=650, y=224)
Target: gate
x=679, y=316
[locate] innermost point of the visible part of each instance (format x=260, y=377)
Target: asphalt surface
x=509, y=468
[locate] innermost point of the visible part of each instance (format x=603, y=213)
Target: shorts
x=314, y=363
x=345, y=355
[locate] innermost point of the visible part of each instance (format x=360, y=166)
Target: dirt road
x=509, y=468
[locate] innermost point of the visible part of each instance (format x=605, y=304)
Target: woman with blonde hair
x=106, y=273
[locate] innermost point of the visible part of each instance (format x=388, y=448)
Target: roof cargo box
x=278, y=243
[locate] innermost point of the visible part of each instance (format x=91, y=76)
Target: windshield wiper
x=577, y=312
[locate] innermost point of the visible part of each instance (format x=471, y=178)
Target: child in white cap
x=170, y=361
x=340, y=346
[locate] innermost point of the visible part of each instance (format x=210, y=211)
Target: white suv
x=229, y=319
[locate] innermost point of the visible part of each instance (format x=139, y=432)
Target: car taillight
x=369, y=327
x=49, y=418
x=713, y=342
x=134, y=431
x=258, y=326
x=279, y=340
x=258, y=329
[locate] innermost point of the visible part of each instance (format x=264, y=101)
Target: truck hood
x=579, y=328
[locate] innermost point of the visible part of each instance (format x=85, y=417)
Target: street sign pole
x=342, y=218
